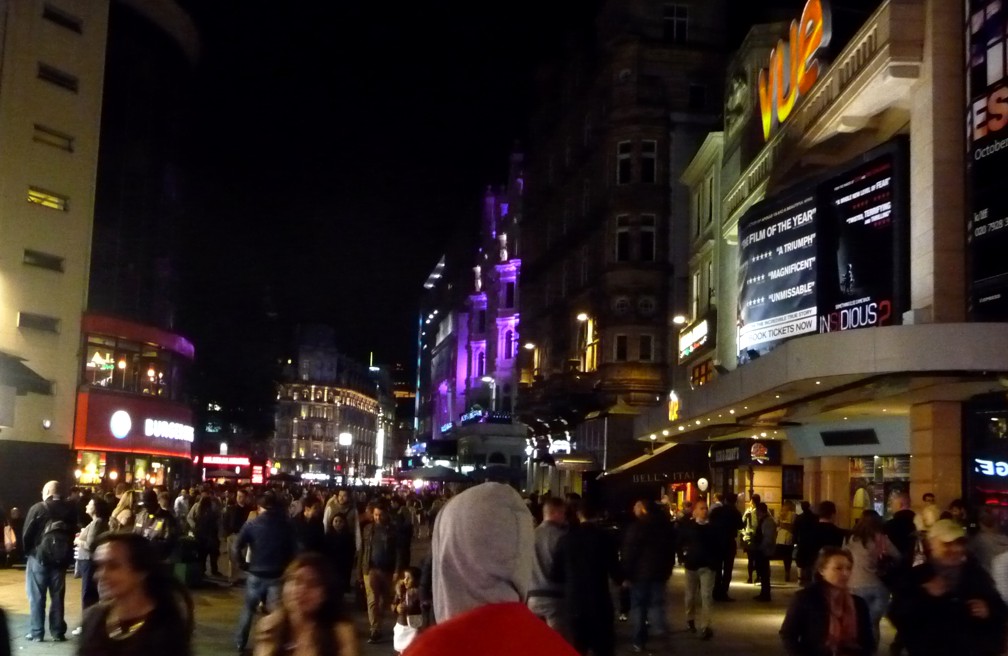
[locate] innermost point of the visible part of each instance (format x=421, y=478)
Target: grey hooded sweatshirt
x=483, y=550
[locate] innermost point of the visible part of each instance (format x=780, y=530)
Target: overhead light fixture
x=682, y=428
x=653, y=437
x=818, y=382
x=732, y=411
x=678, y=319
x=582, y=316
x=665, y=432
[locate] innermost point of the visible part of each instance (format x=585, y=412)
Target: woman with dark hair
x=143, y=610
x=86, y=543
x=825, y=619
x=874, y=557
x=309, y=620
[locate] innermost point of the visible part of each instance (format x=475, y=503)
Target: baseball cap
x=946, y=530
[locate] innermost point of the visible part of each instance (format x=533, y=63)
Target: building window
x=711, y=287
x=480, y=364
x=509, y=294
x=645, y=348
x=649, y=161
x=481, y=322
x=647, y=238
x=63, y=19
x=676, y=22
x=590, y=346
x=55, y=76
x=698, y=212
x=38, y=322
x=695, y=305
x=48, y=199
x=620, y=348
x=702, y=373
x=43, y=260
x=508, y=345
x=624, y=151
x=54, y=138
x=697, y=97
x=710, y=200
x=622, y=253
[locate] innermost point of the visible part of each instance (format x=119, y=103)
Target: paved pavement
x=744, y=627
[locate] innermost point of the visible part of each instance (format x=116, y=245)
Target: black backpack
x=56, y=547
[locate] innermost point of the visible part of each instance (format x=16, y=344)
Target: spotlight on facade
x=678, y=319
x=582, y=316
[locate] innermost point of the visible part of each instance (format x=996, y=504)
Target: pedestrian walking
x=647, y=559
x=181, y=507
x=749, y=525
x=481, y=577
x=901, y=531
x=380, y=565
x=143, y=610
x=928, y=515
x=805, y=551
x=700, y=546
x=949, y=604
x=824, y=533
x=205, y=521
x=407, y=608
x=343, y=504
x=49, y=531
x=308, y=525
x=873, y=557
x=157, y=524
x=785, y=537
x=341, y=552
x=727, y=522
x=309, y=621
x=762, y=547
x=988, y=541
x=272, y=545
x=86, y=542
x=586, y=562
x=824, y=618
x=546, y=595
x=236, y=512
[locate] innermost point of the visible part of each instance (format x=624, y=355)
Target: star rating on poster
x=756, y=301
x=761, y=256
x=755, y=279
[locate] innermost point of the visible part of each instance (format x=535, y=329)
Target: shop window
x=702, y=373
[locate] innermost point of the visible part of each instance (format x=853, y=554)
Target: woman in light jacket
x=871, y=551
x=85, y=542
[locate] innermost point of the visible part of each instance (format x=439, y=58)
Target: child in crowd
x=407, y=608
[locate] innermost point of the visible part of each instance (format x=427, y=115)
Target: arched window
x=481, y=364
x=509, y=345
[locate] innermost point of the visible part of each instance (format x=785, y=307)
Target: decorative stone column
x=936, y=452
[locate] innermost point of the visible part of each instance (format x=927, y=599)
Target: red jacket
x=495, y=630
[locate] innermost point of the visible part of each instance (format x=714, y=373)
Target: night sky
x=338, y=147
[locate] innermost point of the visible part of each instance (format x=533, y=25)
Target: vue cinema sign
x=794, y=66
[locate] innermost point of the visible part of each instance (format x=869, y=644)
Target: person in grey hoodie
x=762, y=547
x=482, y=551
x=546, y=596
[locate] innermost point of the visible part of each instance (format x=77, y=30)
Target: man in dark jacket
x=700, y=545
x=585, y=561
x=949, y=605
x=272, y=543
x=805, y=557
x=380, y=565
x=43, y=575
x=727, y=522
x=901, y=530
x=824, y=533
x=308, y=525
x=647, y=559
x=50, y=516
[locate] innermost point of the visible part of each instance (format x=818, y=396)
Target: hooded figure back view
x=482, y=550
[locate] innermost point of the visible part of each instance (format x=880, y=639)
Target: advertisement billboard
x=777, y=273
x=987, y=158
x=107, y=421
x=828, y=256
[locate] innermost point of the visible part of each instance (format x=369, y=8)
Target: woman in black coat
x=825, y=619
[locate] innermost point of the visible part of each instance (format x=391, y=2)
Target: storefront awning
x=15, y=373
x=672, y=463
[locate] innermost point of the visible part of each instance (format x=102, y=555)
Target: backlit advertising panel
x=107, y=421
x=777, y=274
x=828, y=256
x=987, y=158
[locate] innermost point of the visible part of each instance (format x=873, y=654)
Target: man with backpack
x=48, y=545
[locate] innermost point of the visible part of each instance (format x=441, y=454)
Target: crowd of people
x=539, y=570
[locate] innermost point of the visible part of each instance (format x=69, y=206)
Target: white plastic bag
x=402, y=636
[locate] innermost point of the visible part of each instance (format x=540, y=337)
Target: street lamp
x=679, y=319
x=492, y=382
x=529, y=346
x=582, y=317
x=345, y=441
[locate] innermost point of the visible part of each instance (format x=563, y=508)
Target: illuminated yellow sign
x=794, y=66
x=673, y=406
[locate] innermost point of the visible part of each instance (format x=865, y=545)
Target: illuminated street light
x=582, y=317
x=529, y=346
x=678, y=319
x=345, y=439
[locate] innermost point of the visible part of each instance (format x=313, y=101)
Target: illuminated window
x=43, y=260
x=710, y=199
x=620, y=348
x=39, y=322
x=62, y=18
x=647, y=238
x=696, y=294
x=711, y=287
x=48, y=199
x=645, y=348
x=649, y=161
x=622, y=251
x=624, y=151
x=53, y=138
x=702, y=373
x=53, y=75
x=676, y=22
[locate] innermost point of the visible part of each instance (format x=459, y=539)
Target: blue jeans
x=40, y=579
x=257, y=590
x=647, y=605
x=877, y=598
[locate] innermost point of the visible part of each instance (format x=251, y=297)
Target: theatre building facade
x=845, y=297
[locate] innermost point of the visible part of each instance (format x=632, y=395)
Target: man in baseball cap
x=949, y=604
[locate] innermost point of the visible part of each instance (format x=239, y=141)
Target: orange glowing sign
x=794, y=66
